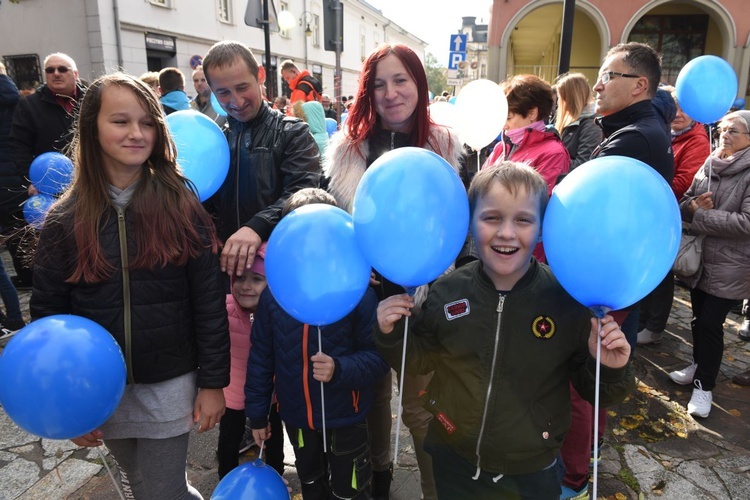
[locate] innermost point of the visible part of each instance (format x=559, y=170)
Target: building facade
x=524, y=35
x=148, y=35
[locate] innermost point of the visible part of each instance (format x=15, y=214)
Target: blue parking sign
x=455, y=58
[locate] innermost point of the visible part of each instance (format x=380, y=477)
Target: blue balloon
x=411, y=215
x=251, y=481
x=63, y=376
x=51, y=173
x=35, y=209
x=217, y=107
x=202, y=150
x=314, y=266
x=331, y=126
x=452, y=100
x=706, y=87
x=611, y=232
x=739, y=103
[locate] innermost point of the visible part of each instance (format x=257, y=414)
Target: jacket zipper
x=393, y=140
x=500, y=304
x=125, y=292
x=237, y=175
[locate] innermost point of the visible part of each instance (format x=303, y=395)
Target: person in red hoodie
x=303, y=85
x=241, y=305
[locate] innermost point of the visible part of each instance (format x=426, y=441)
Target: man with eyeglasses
x=628, y=80
x=327, y=107
x=42, y=123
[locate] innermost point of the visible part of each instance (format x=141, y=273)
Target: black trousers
x=231, y=432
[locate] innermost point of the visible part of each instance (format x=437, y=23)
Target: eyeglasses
x=60, y=69
x=731, y=131
x=607, y=76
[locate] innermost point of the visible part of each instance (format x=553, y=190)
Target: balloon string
x=400, y=392
x=479, y=152
x=596, y=404
x=710, y=171
x=263, y=442
x=322, y=397
x=109, y=471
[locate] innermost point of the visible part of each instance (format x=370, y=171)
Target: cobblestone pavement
x=652, y=449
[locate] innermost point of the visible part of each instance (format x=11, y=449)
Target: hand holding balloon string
x=323, y=367
x=703, y=201
x=615, y=351
x=392, y=309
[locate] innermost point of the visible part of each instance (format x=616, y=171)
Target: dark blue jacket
x=282, y=348
x=638, y=132
x=10, y=179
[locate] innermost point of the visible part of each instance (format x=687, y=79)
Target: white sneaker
x=684, y=376
x=700, y=402
x=646, y=337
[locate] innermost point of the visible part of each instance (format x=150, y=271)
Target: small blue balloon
x=251, y=481
x=331, y=126
x=314, y=266
x=706, y=87
x=63, y=376
x=51, y=173
x=739, y=103
x=611, y=232
x=35, y=209
x=217, y=106
x=452, y=100
x=202, y=150
x=411, y=215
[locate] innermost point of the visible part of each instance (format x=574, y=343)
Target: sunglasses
x=59, y=69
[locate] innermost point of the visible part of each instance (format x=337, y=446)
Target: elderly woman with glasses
x=717, y=205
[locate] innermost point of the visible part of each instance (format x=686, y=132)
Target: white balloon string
x=400, y=392
x=322, y=398
x=479, y=163
x=596, y=404
x=118, y=487
x=263, y=442
x=710, y=171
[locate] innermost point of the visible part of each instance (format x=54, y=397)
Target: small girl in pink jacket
x=241, y=304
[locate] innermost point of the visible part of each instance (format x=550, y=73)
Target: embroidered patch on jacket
x=457, y=309
x=543, y=327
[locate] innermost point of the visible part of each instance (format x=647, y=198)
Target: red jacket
x=690, y=152
x=307, y=92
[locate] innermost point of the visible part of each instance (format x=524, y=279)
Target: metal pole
x=566, y=37
x=337, y=76
x=267, y=38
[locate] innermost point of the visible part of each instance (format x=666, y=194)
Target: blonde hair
x=573, y=94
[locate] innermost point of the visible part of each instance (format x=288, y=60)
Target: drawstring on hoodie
x=497, y=478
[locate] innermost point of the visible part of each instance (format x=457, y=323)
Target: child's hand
x=90, y=440
x=615, y=348
x=393, y=309
x=373, y=280
x=260, y=435
x=323, y=367
x=209, y=408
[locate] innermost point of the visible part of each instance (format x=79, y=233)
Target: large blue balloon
x=611, y=232
x=314, y=266
x=62, y=376
x=217, y=107
x=251, y=481
x=202, y=150
x=331, y=126
x=706, y=88
x=51, y=173
x=411, y=215
x=35, y=209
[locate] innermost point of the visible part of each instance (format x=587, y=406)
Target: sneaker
x=571, y=494
x=744, y=331
x=5, y=335
x=247, y=443
x=646, y=337
x=700, y=402
x=381, y=483
x=9, y=330
x=684, y=376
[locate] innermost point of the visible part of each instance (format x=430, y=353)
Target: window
x=24, y=70
x=362, y=44
x=677, y=38
x=282, y=7
x=315, y=30
x=225, y=11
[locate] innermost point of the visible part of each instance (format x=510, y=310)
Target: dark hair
x=642, y=60
x=307, y=196
x=226, y=53
x=363, y=117
x=512, y=176
x=525, y=92
x=171, y=79
x=170, y=223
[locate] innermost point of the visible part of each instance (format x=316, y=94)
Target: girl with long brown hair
x=130, y=247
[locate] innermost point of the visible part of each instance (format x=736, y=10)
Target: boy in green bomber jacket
x=504, y=340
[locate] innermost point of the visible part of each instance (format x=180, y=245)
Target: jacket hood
x=8, y=91
x=176, y=99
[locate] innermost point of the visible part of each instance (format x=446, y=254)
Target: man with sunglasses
x=42, y=122
x=628, y=80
